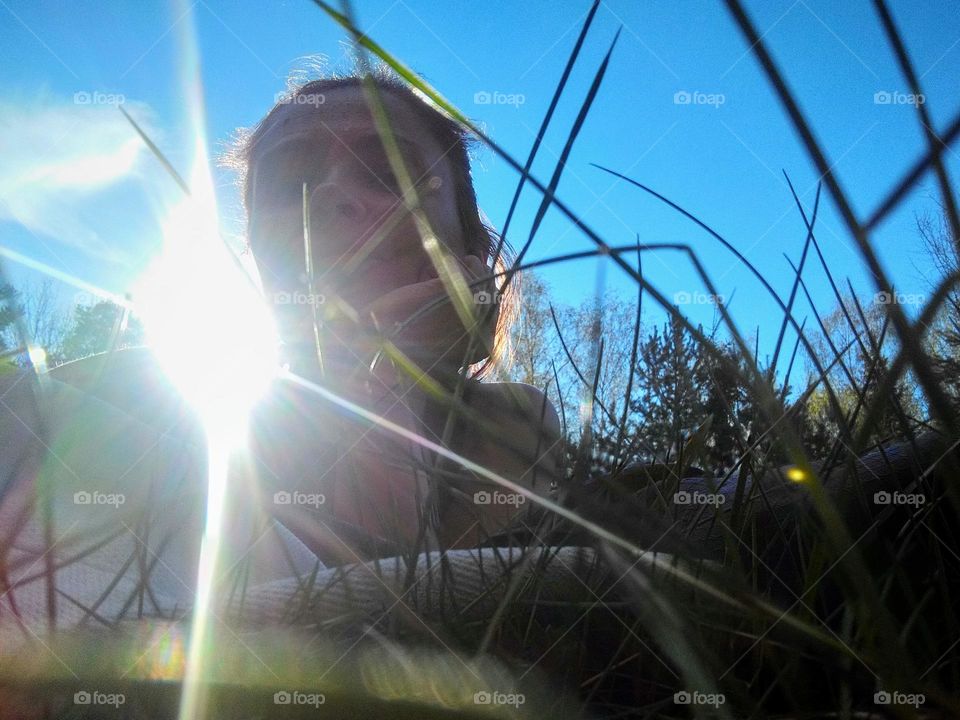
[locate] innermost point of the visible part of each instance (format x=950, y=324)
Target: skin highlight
x=373, y=271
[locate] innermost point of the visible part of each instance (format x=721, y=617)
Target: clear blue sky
x=77, y=192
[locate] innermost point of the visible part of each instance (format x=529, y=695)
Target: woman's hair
x=449, y=133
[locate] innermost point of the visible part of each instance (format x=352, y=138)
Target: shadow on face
x=356, y=210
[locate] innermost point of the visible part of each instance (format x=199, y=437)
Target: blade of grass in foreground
x=909, y=340
x=568, y=146
x=923, y=112
x=558, y=92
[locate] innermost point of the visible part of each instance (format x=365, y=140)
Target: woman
x=318, y=167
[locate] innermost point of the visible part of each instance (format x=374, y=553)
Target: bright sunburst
x=208, y=325
x=213, y=334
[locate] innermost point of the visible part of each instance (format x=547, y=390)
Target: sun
x=206, y=320
x=213, y=334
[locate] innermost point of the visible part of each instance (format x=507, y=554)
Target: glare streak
x=64, y=277
x=218, y=458
x=212, y=333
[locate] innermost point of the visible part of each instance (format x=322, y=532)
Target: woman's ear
x=475, y=235
x=482, y=251
x=486, y=301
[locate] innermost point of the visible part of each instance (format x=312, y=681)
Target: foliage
x=803, y=596
x=98, y=328
x=9, y=313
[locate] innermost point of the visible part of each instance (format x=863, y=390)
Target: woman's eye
x=282, y=189
x=385, y=181
x=380, y=178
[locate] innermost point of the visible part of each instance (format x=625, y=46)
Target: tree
x=10, y=312
x=94, y=328
x=670, y=378
x=556, y=346
x=612, y=320
x=44, y=319
x=943, y=337
x=686, y=390
x=532, y=350
x=858, y=337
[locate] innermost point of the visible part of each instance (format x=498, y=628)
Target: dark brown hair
x=450, y=134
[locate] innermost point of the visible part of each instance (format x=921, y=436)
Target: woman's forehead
x=343, y=114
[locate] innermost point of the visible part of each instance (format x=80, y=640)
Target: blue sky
x=79, y=194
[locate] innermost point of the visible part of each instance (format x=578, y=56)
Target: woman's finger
x=405, y=299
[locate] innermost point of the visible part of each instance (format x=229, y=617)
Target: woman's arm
x=519, y=438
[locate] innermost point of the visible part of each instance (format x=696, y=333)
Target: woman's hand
x=435, y=340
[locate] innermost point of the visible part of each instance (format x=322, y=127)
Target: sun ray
x=212, y=333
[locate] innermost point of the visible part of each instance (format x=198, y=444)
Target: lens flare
x=209, y=326
x=797, y=474
x=38, y=358
x=212, y=332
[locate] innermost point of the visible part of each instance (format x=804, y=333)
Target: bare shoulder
x=519, y=415
x=520, y=439
x=515, y=402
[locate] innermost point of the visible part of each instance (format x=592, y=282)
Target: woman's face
x=354, y=197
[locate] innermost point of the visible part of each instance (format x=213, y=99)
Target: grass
x=798, y=597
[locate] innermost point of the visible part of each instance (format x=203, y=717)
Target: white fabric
x=60, y=440
x=61, y=437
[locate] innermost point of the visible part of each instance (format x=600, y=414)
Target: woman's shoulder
x=501, y=391
x=516, y=402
